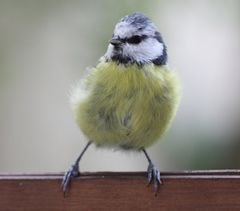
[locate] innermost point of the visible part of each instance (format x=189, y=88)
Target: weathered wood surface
x=192, y=190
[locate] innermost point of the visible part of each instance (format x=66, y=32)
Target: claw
x=72, y=172
x=154, y=176
x=150, y=173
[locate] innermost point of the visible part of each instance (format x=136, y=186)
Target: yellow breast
x=126, y=106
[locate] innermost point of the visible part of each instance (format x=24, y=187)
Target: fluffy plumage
x=125, y=106
x=131, y=96
x=129, y=99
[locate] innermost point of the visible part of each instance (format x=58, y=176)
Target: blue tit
x=130, y=98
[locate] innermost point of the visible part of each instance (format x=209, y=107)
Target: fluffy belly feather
x=127, y=107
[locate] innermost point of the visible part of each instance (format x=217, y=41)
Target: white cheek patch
x=145, y=51
x=109, y=52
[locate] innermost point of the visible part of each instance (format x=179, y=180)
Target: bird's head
x=136, y=40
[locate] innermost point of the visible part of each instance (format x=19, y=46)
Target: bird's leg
x=153, y=173
x=73, y=170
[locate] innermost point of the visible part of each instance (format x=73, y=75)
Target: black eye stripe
x=134, y=39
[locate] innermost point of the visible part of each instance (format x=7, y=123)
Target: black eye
x=134, y=40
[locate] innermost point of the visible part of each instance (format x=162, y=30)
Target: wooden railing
x=189, y=190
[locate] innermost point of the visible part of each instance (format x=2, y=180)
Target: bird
x=129, y=99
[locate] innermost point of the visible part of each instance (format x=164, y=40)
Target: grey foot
x=154, y=176
x=72, y=172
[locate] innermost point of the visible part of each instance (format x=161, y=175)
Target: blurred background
x=45, y=45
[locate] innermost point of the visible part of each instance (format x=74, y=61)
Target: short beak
x=115, y=42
